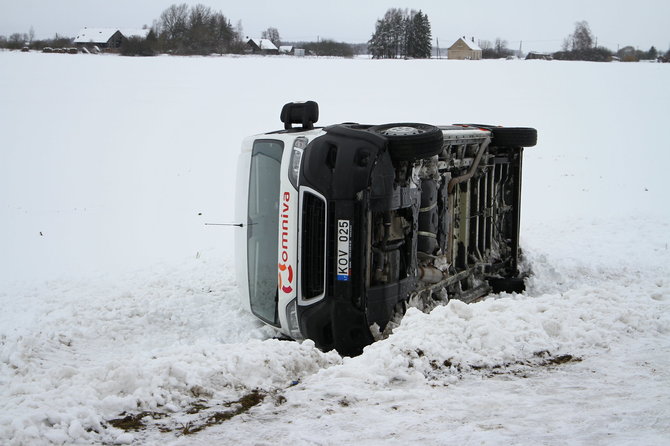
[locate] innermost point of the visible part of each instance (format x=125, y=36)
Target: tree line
x=17, y=41
x=401, y=33
x=495, y=50
x=193, y=30
x=199, y=30
x=581, y=44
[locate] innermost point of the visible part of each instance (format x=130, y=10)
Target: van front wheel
x=411, y=141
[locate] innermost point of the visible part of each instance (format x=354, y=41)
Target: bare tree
x=238, y=43
x=272, y=34
x=194, y=30
x=495, y=50
x=173, y=23
x=582, y=38
x=198, y=35
x=501, y=46
x=580, y=46
x=17, y=40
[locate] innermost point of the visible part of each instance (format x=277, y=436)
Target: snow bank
x=157, y=341
x=512, y=330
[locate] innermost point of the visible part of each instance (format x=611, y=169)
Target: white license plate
x=343, y=263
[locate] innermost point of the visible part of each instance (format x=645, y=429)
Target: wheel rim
x=402, y=131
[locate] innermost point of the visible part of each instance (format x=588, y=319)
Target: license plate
x=342, y=265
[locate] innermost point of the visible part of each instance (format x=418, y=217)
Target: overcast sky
x=541, y=25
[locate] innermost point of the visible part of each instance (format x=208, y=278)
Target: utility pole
x=437, y=43
x=520, y=45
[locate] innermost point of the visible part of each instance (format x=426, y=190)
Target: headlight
x=296, y=158
x=292, y=318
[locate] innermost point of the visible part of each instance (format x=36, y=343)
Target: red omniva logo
x=284, y=269
x=286, y=288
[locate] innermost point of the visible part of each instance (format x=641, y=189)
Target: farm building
x=541, y=56
x=262, y=46
x=107, y=37
x=462, y=49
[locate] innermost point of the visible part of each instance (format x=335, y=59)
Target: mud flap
x=336, y=325
x=507, y=285
x=350, y=330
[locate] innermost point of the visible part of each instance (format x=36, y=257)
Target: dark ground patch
x=210, y=415
x=133, y=422
x=240, y=406
x=520, y=368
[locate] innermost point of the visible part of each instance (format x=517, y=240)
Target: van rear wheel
x=508, y=136
x=514, y=136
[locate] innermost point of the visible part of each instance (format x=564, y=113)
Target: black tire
x=513, y=136
x=411, y=141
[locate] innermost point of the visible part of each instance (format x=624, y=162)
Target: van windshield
x=262, y=229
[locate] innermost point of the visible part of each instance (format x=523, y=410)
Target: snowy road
x=121, y=322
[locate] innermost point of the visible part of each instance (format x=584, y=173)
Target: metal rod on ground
x=239, y=225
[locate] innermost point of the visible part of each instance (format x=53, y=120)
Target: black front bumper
x=347, y=167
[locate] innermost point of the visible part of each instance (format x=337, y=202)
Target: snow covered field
x=120, y=321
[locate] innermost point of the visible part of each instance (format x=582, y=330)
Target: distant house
x=262, y=46
x=100, y=37
x=463, y=49
x=109, y=38
x=291, y=50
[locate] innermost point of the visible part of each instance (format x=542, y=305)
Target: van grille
x=313, y=255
